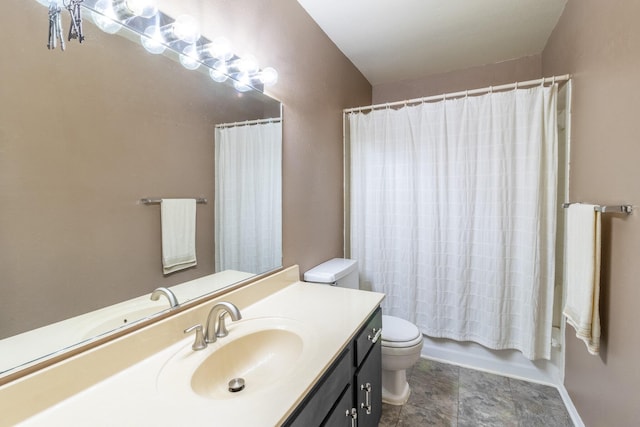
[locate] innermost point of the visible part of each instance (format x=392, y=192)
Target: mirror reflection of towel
x=178, y=218
x=582, y=257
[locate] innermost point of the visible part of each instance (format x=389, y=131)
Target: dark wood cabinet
x=349, y=394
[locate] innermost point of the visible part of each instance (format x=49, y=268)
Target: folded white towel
x=582, y=260
x=178, y=234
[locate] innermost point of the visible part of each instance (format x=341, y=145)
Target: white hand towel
x=582, y=259
x=178, y=218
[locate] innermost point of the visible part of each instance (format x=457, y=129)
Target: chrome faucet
x=216, y=327
x=173, y=300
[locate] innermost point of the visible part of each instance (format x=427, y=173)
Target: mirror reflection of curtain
x=248, y=197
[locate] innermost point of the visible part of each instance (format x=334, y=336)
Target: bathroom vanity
x=309, y=355
x=349, y=393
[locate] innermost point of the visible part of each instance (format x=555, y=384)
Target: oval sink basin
x=264, y=352
x=259, y=358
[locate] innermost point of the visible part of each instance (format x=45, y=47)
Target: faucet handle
x=221, y=326
x=199, y=343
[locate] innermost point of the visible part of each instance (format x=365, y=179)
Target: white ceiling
x=391, y=40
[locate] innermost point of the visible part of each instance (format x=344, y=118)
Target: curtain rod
x=249, y=123
x=444, y=96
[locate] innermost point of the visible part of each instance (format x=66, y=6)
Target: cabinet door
x=368, y=388
x=341, y=415
x=324, y=395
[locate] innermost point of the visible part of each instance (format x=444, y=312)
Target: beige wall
x=522, y=69
x=598, y=42
x=73, y=183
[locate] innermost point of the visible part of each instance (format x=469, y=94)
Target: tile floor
x=448, y=395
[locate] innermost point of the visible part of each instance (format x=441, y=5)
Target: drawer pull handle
x=376, y=335
x=367, y=397
x=353, y=413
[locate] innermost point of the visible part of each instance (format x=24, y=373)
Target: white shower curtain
x=453, y=215
x=248, y=197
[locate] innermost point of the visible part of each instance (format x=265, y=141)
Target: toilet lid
x=395, y=329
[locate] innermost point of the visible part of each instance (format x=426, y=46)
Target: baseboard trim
x=568, y=403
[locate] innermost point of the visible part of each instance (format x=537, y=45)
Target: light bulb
x=269, y=76
x=185, y=28
x=144, y=8
x=247, y=64
x=220, y=48
x=189, y=57
x=152, y=40
x=242, y=82
x=105, y=17
x=219, y=71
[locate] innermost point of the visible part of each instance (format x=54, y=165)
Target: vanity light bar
x=158, y=32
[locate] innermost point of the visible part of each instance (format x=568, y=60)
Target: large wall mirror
x=85, y=134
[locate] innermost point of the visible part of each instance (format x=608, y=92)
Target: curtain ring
x=517, y=85
x=490, y=89
x=466, y=93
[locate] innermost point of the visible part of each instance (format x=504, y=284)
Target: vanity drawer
x=370, y=334
x=324, y=395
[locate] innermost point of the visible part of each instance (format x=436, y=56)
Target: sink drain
x=236, y=385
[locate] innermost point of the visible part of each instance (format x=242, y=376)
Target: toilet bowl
x=401, y=346
x=401, y=339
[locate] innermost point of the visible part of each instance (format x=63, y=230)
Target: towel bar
x=625, y=209
x=148, y=201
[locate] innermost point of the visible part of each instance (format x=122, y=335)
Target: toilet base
x=395, y=389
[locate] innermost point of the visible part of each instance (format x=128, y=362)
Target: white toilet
x=401, y=340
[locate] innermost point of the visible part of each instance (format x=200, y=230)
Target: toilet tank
x=338, y=272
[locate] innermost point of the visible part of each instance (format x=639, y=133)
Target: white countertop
x=142, y=395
